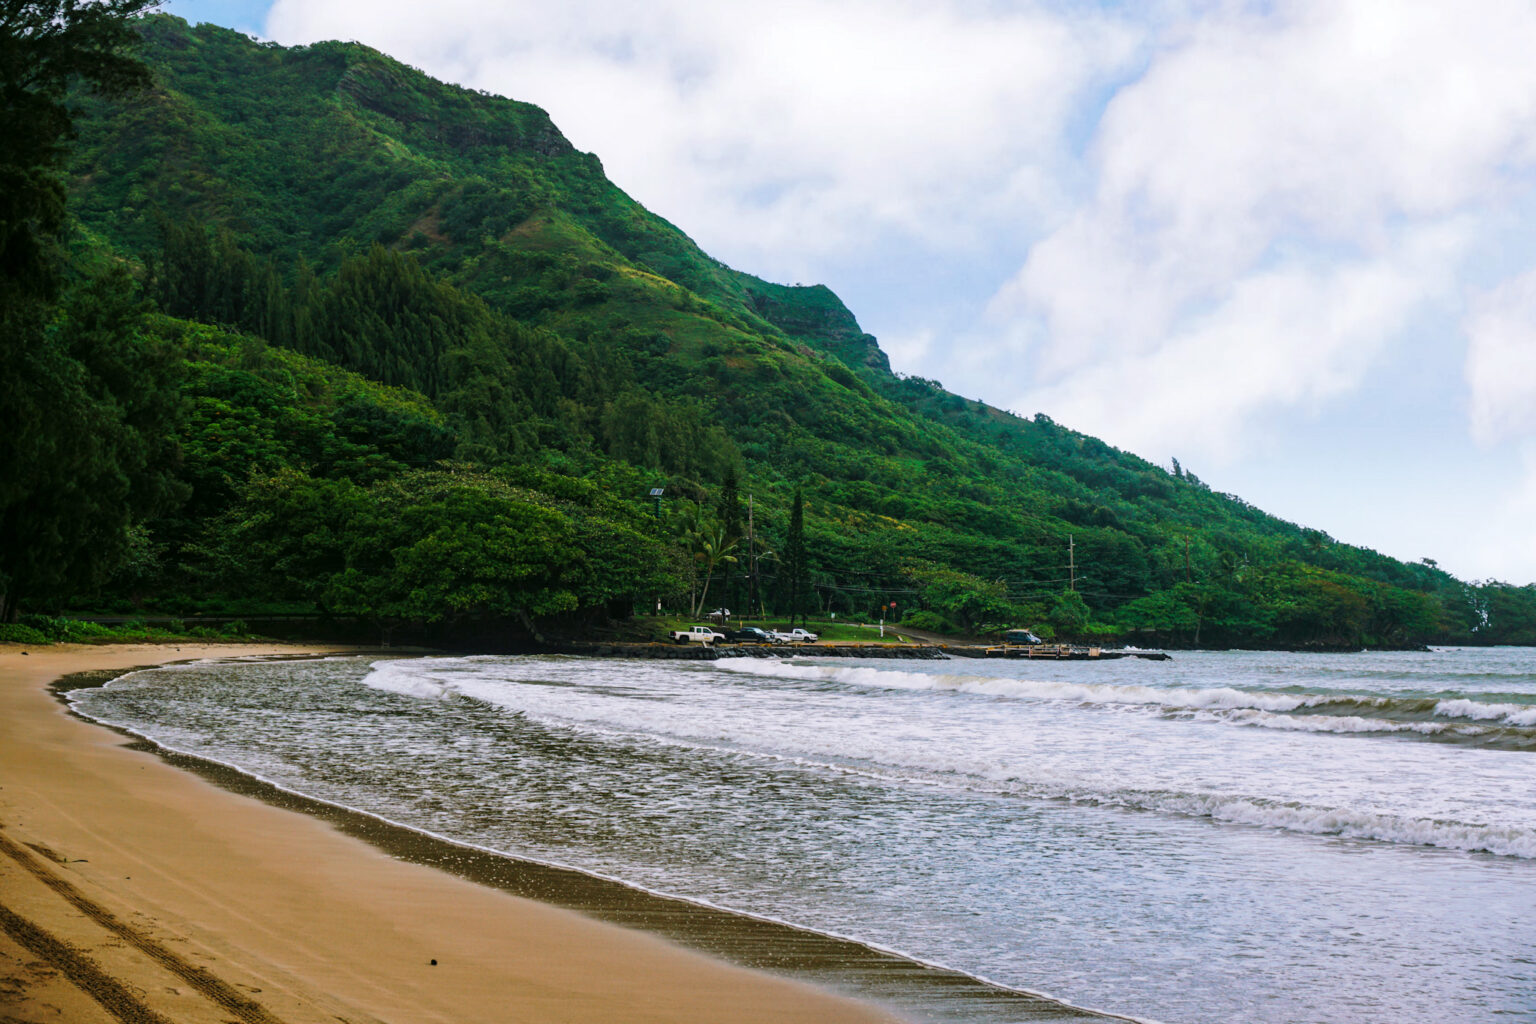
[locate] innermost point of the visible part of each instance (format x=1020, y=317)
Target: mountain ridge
x=309, y=155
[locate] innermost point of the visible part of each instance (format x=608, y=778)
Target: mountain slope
x=537, y=266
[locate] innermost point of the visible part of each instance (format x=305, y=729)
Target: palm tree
x=688, y=526
x=711, y=547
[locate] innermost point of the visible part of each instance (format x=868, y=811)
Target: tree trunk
x=533, y=631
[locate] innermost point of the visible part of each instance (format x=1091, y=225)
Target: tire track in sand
x=79, y=968
x=199, y=978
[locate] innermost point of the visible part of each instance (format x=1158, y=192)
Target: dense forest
x=304, y=329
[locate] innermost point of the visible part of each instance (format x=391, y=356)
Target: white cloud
x=908, y=348
x=1252, y=195
x=1501, y=361
x=1503, y=545
x=1288, y=336
x=777, y=135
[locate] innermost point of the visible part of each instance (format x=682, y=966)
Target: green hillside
x=457, y=310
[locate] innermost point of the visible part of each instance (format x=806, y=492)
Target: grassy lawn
x=850, y=632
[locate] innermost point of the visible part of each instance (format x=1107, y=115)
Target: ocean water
x=1223, y=837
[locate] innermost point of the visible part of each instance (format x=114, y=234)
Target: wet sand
x=131, y=890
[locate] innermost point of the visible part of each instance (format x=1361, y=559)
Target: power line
x=865, y=590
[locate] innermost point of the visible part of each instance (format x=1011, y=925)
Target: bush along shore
x=44, y=630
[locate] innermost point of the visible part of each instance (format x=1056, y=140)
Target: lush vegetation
x=83, y=401
x=42, y=630
x=349, y=339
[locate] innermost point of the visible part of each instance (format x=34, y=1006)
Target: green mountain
x=521, y=340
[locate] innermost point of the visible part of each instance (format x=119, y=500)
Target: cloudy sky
x=1291, y=244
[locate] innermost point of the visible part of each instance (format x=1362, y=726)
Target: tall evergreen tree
x=102, y=450
x=793, y=562
x=731, y=528
x=65, y=419
x=45, y=46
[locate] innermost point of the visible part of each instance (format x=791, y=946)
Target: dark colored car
x=752, y=635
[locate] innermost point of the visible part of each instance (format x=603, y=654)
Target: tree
x=50, y=397
x=1511, y=613
x=1069, y=613
x=712, y=548
x=1178, y=613
x=731, y=526
x=94, y=450
x=435, y=546
x=45, y=45
x=792, y=564
x=964, y=599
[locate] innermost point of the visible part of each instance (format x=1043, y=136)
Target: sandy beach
x=133, y=891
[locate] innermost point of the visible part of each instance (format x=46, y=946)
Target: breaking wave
x=873, y=757
x=1347, y=823
x=1509, y=723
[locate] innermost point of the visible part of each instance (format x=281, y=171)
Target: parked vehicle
x=695, y=634
x=753, y=635
x=1021, y=636
x=798, y=636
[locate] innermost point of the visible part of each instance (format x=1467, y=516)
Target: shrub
x=45, y=625
x=64, y=630
x=75, y=630
x=932, y=622
x=16, y=633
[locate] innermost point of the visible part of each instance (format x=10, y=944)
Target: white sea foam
x=1329, y=723
x=1032, y=689
x=908, y=747
x=962, y=769
x=1345, y=822
x=1505, y=714
x=411, y=677
x=1170, y=698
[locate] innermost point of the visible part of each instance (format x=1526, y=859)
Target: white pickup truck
x=798, y=636
x=697, y=634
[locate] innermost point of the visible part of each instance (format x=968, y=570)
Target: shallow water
x=1227, y=836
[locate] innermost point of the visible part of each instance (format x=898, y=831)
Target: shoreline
x=133, y=890
x=766, y=970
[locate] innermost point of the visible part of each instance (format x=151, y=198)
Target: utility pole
x=1072, y=560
